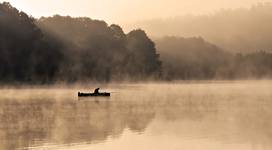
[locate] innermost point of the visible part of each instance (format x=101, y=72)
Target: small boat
x=92, y=94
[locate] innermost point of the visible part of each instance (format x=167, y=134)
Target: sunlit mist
x=135, y=74
x=127, y=10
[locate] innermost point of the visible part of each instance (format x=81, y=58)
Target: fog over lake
x=224, y=115
x=135, y=75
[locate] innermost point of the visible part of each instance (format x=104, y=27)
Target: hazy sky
x=121, y=11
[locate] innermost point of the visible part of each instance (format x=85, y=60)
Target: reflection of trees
x=23, y=122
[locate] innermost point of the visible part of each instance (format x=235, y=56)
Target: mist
x=233, y=29
x=68, y=49
x=124, y=11
x=80, y=49
x=195, y=58
x=74, y=75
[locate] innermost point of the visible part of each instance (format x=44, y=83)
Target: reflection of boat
x=92, y=94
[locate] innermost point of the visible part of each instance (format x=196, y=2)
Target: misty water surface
x=174, y=116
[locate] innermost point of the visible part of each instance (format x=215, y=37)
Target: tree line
x=195, y=58
x=68, y=49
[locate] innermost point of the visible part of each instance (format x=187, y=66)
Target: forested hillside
x=195, y=58
x=71, y=49
x=67, y=49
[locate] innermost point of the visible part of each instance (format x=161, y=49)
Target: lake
x=211, y=115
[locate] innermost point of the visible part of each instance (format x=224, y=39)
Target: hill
x=235, y=30
x=63, y=48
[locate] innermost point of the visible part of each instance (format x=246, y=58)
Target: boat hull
x=93, y=94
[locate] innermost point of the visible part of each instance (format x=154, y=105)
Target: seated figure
x=96, y=91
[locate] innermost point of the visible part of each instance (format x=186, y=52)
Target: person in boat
x=96, y=91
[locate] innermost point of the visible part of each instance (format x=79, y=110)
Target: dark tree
x=102, y=52
x=25, y=53
x=143, y=59
x=63, y=48
x=70, y=49
x=190, y=58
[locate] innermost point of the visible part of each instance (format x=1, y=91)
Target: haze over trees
x=71, y=49
x=235, y=30
x=190, y=58
x=101, y=52
x=25, y=53
x=195, y=58
x=67, y=49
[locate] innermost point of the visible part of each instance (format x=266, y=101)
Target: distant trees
x=194, y=58
x=236, y=30
x=190, y=58
x=62, y=48
x=71, y=49
x=252, y=65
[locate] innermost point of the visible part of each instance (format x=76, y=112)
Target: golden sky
x=121, y=11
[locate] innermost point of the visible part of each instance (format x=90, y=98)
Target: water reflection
x=164, y=116
x=26, y=123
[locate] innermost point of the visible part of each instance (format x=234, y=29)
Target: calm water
x=188, y=116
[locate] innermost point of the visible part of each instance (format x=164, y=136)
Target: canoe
x=92, y=94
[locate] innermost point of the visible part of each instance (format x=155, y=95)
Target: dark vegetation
x=69, y=49
x=25, y=53
x=194, y=58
